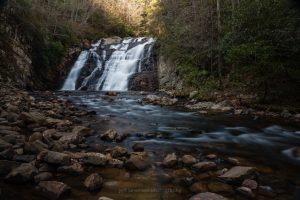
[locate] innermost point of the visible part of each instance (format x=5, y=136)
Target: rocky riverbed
x=102, y=146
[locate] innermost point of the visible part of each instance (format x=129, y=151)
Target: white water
x=70, y=83
x=111, y=73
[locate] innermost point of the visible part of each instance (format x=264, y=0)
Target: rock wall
x=168, y=77
x=15, y=58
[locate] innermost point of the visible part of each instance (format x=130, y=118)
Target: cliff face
x=15, y=58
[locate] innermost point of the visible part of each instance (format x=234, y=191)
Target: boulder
x=138, y=161
x=188, y=160
x=118, y=151
x=56, y=158
x=207, y=196
x=24, y=173
x=44, y=176
x=95, y=159
x=238, y=173
x=53, y=189
x=204, y=166
x=170, y=160
x=93, y=182
x=7, y=166
x=33, y=117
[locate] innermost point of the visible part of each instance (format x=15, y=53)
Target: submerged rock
x=53, y=189
x=93, y=182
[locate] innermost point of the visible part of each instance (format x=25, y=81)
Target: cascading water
x=110, y=64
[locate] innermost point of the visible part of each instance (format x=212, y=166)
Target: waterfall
x=109, y=64
x=70, y=82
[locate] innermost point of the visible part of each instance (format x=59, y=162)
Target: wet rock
x=188, y=160
x=24, y=173
x=138, y=147
x=109, y=135
x=164, y=178
x=55, y=158
x=118, y=151
x=208, y=196
x=111, y=93
x=238, y=173
x=104, y=198
x=138, y=161
x=252, y=184
x=204, y=166
x=4, y=145
x=198, y=188
x=44, y=176
x=93, y=182
x=211, y=156
x=170, y=160
x=116, y=163
x=7, y=166
x=247, y=192
x=95, y=159
x=266, y=191
x=233, y=161
x=201, y=106
x=219, y=187
x=76, y=168
x=53, y=189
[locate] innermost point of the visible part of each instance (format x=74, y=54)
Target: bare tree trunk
x=219, y=24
